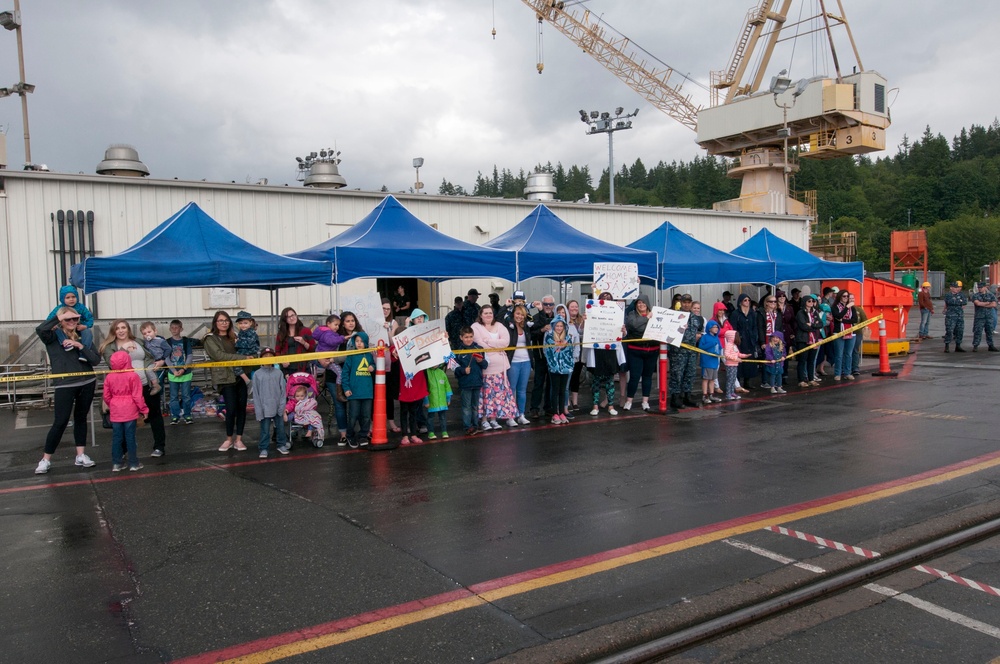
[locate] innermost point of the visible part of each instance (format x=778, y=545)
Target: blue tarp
x=190, y=249
x=796, y=264
x=548, y=247
x=685, y=260
x=391, y=242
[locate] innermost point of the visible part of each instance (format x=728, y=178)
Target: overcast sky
x=236, y=90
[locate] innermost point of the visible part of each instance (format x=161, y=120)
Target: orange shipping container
x=881, y=296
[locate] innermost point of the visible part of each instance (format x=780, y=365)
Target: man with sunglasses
x=541, y=323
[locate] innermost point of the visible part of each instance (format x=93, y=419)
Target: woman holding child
x=294, y=338
x=73, y=395
x=120, y=337
x=220, y=346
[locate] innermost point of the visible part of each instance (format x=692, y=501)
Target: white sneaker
x=511, y=422
x=43, y=467
x=84, y=460
x=486, y=425
x=523, y=420
x=595, y=410
x=495, y=425
x=627, y=406
x=645, y=405
x=612, y=411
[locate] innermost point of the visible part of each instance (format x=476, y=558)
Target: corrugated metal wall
x=282, y=220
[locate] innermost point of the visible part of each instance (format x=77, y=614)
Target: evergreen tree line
x=951, y=189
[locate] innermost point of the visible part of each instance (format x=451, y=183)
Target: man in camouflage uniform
x=954, y=316
x=985, y=304
x=684, y=362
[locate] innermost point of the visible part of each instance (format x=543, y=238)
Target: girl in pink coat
x=123, y=395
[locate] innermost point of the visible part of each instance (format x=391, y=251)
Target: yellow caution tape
x=308, y=357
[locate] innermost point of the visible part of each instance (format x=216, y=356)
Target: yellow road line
x=380, y=626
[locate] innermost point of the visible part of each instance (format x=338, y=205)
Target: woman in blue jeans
x=843, y=347
x=642, y=355
x=520, y=359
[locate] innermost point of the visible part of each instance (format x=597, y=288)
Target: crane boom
x=654, y=83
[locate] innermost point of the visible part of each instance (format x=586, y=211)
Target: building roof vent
x=540, y=187
x=320, y=170
x=121, y=159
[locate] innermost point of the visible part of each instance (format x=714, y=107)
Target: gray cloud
x=229, y=90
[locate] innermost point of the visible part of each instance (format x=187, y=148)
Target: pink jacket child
x=123, y=396
x=731, y=356
x=301, y=407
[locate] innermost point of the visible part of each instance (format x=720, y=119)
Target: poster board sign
x=368, y=309
x=667, y=325
x=619, y=279
x=604, y=321
x=422, y=346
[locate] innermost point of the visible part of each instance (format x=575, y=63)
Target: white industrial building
x=283, y=219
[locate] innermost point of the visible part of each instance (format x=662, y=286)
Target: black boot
x=688, y=401
x=675, y=401
x=671, y=406
x=959, y=349
x=993, y=349
x=946, y=348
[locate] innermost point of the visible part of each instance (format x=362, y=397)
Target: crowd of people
x=498, y=351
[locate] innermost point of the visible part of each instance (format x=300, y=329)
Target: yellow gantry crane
x=823, y=116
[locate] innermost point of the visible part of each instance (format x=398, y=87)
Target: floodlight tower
x=603, y=123
x=11, y=20
x=417, y=163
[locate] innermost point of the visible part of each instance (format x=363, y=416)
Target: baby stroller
x=302, y=415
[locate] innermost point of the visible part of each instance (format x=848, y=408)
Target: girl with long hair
x=220, y=346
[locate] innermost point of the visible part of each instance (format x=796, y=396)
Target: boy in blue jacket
x=710, y=343
x=70, y=297
x=357, y=379
x=469, y=373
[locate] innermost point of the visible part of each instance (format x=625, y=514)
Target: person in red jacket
x=123, y=395
x=294, y=337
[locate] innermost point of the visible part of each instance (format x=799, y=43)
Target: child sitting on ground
x=302, y=407
x=123, y=395
x=438, y=400
x=356, y=378
x=732, y=356
x=247, y=341
x=775, y=354
x=158, y=347
x=712, y=346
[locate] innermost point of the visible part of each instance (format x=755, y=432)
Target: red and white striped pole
x=663, y=373
x=883, y=353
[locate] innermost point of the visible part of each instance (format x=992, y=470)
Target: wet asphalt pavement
x=541, y=543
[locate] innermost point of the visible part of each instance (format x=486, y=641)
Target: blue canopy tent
x=391, y=242
x=795, y=264
x=685, y=260
x=192, y=250
x=548, y=247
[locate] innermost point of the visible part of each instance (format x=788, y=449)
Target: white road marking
x=923, y=605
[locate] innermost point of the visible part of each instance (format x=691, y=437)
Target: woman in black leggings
x=220, y=346
x=73, y=395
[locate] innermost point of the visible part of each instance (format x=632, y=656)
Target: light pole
x=603, y=123
x=417, y=163
x=779, y=84
x=12, y=21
